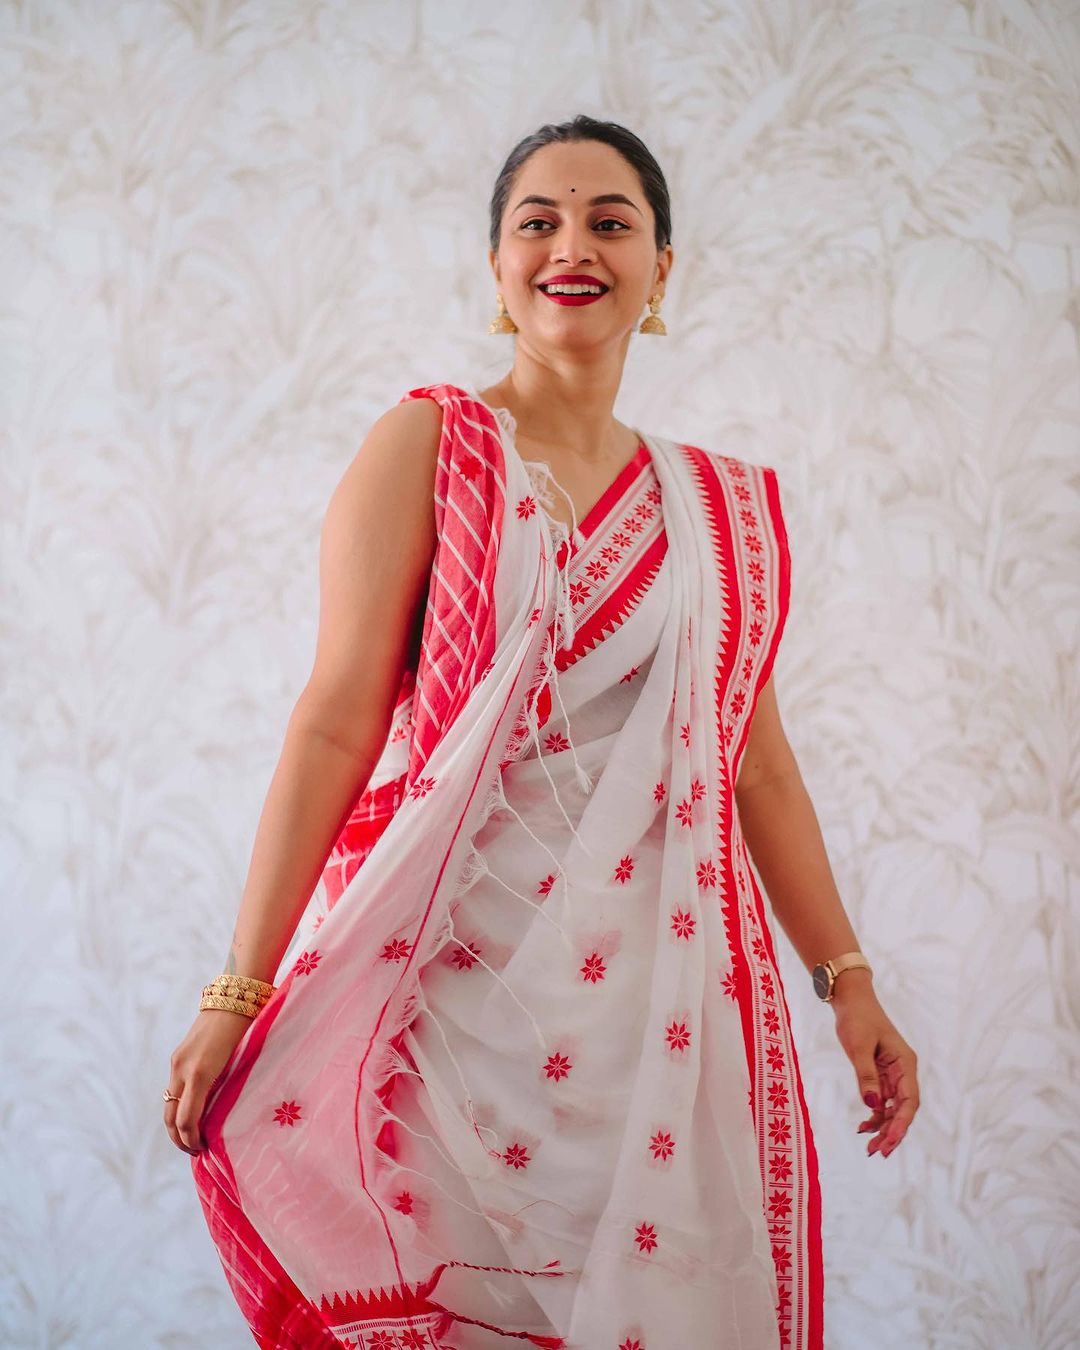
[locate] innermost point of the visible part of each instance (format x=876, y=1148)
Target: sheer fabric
x=528, y=1074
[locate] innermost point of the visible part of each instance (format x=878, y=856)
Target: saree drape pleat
x=528, y=1073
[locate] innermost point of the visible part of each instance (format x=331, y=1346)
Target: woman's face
x=612, y=242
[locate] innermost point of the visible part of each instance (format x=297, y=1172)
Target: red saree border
x=617, y=603
x=777, y=1097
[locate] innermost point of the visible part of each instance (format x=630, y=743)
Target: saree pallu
x=528, y=1073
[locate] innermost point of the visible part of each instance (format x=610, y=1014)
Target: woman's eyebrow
x=593, y=201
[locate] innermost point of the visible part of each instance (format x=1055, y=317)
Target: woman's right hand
x=195, y=1067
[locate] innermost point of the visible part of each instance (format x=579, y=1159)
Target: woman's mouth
x=573, y=295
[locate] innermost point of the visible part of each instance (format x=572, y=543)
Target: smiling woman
x=528, y=1072
x=633, y=216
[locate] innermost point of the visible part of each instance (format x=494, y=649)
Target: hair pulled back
x=585, y=128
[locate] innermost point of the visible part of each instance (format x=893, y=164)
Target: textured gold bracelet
x=240, y=996
x=229, y=1005
x=230, y=989
x=236, y=993
x=243, y=982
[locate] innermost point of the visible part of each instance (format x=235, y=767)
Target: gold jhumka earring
x=653, y=323
x=502, y=322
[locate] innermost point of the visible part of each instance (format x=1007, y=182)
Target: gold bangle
x=247, y=982
x=229, y=1005
x=248, y=1000
x=236, y=993
x=255, y=991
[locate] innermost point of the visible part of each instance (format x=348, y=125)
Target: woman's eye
x=608, y=220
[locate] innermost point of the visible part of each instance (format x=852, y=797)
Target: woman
x=528, y=1073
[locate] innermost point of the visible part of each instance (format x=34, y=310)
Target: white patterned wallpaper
x=232, y=235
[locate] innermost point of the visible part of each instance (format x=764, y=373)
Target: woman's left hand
x=885, y=1065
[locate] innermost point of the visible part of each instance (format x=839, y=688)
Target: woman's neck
x=558, y=420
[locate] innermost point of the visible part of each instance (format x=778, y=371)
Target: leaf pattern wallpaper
x=234, y=232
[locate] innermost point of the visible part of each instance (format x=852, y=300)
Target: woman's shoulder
x=466, y=429
x=444, y=392
x=462, y=408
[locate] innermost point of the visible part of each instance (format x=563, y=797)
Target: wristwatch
x=824, y=975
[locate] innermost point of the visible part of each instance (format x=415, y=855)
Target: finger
x=876, y=1142
x=897, y=1130
x=878, y=1118
x=898, y=1073
x=881, y=1121
x=189, y=1113
x=890, y=1137
x=870, y=1087
x=174, y=1090
x=882, y=1137
x=880, y=1141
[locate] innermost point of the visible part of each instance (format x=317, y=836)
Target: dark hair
x=585, y=128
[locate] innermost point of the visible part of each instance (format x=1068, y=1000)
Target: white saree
x=529, y=1073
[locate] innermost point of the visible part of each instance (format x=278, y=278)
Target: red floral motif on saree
x=465, y=956
x=662, y=1145
x=706, y=874
x=594, y=968
x=683, y=923
x=678, y=1035
x=557, y=1066
x=645, y=1237
x=288, y=1113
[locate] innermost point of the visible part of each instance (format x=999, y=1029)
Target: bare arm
x=782, y=833
x=784, y=838
x=377, y=545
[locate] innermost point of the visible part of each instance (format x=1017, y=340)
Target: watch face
x=821, y=981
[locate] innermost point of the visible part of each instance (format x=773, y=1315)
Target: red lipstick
x=574, y=279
